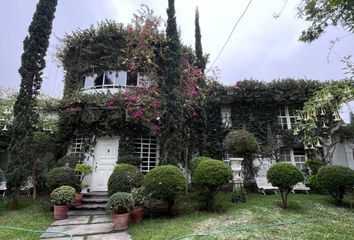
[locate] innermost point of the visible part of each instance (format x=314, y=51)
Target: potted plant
x=118, y=206
x=83, y=170
x=140, y=201
x=62, y=197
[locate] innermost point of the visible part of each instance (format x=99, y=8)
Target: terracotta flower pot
x=120, y=221
x=78, y=199
x=60, y=212
x=137, y=214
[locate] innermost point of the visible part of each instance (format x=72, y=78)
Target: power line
x=233, y=29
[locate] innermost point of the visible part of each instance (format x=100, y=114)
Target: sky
x=262, y=47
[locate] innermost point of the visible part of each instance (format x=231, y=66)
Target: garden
x=193, y=192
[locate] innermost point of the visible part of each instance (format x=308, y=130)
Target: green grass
x=313, y=217
x=31, y=215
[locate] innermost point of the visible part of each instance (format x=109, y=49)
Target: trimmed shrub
x=166, y=183
x=124, y=178
x=61, y=176
x=313, y=184
x=284, y=176
x=120, y=203
x=242, y=143
x=196, y=161
x=63, y=195
x=209, y=175
x=336, y=179
x=314, y=165
x=130, y=159
x=238, y=195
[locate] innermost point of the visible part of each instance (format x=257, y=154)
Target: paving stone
x=72, y=220
x=81, y=229
x=86, y=212
x=101, y=219
x=66, y=238
x=110, y=236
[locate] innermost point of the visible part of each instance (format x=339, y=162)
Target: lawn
x=30, y=216
x=308, y=217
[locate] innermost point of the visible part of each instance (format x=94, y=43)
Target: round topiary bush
x=336, y=179
x=314, y=165
x=120, y=203
x=62, y=176
x=124, y=178
x=242, y=143
x=63, y=195
x=196, y=161
x=165, y=183
x=284, y=176
x=130, y=159
x=209, y=175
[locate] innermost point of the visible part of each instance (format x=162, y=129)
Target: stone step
x=90, y=212
x=86, y=200
x=89, y=206
x=96, y=194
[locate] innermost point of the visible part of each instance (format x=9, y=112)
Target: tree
x=171, y=132
x=323, y=13
x=319, y=121
x=243, y=144
x=25, y=122
x=284, y=176
x=201, y=60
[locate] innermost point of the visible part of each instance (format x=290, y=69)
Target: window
x=77, y=146
x=148, y=150
x=115, y=79
x=285, y=155
x=286, y=117
x=226, y=117
x=296, y=156
x=300, y=158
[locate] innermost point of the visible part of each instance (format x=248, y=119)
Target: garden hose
x=70, y=237
x=255, y=227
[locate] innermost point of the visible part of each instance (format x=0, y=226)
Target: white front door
x=106, y=155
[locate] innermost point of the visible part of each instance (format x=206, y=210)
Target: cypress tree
x=171, y=133
x=201, y=61
x=26, y=116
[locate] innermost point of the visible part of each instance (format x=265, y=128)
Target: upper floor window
x=286, y=117
x=115, y=79
x=226, y=120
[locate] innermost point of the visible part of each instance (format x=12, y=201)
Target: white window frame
x=77, y=146
x=299, y=164
x=284, y=121
x=89, y=81
x=145, y=148
x=226, y=119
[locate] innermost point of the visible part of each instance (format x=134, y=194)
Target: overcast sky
x=262, y=47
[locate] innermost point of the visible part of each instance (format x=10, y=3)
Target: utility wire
x=233, y=29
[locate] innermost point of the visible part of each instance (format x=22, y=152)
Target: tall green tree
x=201, y=61
x=26, y=115
x=324, y=13
x=172, y=147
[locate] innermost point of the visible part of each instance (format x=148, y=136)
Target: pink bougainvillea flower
x=134, y=99
x=110, y=105
x=68, y=109
x=138, y=114
x=132, y=67
x=130, y=29
x=156, y=129
x=155, y=104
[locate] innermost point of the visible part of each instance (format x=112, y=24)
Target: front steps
x=92, y=202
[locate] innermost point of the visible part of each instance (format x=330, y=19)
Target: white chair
x=300, y=186
x=263, y=185
x=3, y=188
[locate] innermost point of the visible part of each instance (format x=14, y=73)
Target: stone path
x=84, y=226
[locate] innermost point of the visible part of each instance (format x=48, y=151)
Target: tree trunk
x=15, y=196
